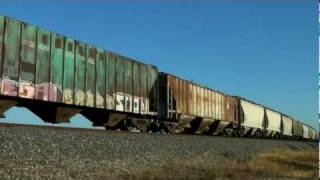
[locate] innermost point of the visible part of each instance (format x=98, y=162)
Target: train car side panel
x=101, y=79
x=136, y=87
x=110, y=81
x=274, y=121
x=230, y=108
x=91, y=76
x=128, y=86
x=144, y=89
x=56, y=73
x=68, y=71
x=297, y=128
x=287, y=126
x=305, y=132
x=253, y=114
x=80, y=74
x=2, y=30
x=27, y=63
x=120, y=83
x=310, y=132
x=42, y=83
x=10, y=74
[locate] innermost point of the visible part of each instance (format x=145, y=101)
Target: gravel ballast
x=29, y=152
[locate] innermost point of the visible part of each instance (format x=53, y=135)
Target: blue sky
x=265, y=51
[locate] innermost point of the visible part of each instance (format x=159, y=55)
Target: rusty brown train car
x=194, y=108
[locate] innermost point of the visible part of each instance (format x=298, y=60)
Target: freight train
x=57, y=77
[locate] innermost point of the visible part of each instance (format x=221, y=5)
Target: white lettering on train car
x=120, y=101
x=128, y=99
x=136, y=104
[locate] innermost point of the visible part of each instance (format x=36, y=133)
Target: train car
x=252, y=117
x=56, y=77
x=297, y=129
x=273, y=123
x=287, y=126
x=305, y=131
x=311, y=133
x=194, y=108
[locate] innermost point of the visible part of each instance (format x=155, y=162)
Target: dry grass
x=278, y=164
x=289, y=164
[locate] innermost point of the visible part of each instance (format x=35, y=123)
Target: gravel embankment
x=37, y=153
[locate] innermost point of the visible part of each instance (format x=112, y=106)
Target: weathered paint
x=56, y=70
x=274, y=121
x=120, y=83
x=42, y=65
x=305, y=131
x=128, y=86
x=310, y=130
x=144, y=96
x=230, y=108
x=91, y=76
x=253, y=114
x=193, y=100
x=153, y=90
x=101, y=79
x=286, y=126
x=80, y=79
x=10, y=72
x=28, y=59
x=297, y=128
x=136, y=75
x=68, y=71
x=1, y=47
x=110, y=81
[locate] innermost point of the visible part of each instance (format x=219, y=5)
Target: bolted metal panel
x=198, y=94
x=144, y=90
x=56, y=70
x=310, y=132
x=136, y=87
x=223, y=102
x=101, y=79
x=213, y=105
x=202, y=102
x=305, y=131
x=110, y=81
x=206, y=103
x=190, y=99
x=230, y=108
x=219, y=104
x=10, y=72
x=152, y=89
x=42, y=65
x=80, y=74
x=28, y=60
x=128, y=86
x=297, y=128
x=91, y=76
x=179, y=91
x=286, y=126
x=193, y=100
x=2, y=19
x=68, y=71
x=184, y=97
x=210, y=104
x=253, y=114
x=120, y=83
x=274, y=120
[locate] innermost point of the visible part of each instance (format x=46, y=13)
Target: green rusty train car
x=56, y=77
